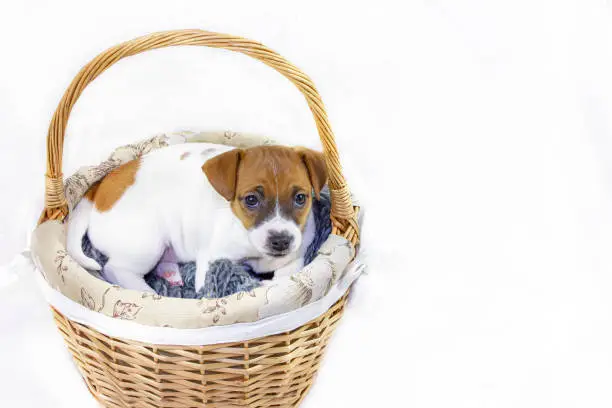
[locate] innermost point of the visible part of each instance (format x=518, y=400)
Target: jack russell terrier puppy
x=207, y=202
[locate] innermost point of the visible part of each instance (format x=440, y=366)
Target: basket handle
x=343, y=213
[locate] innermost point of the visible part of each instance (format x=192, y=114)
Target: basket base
x=270, y=372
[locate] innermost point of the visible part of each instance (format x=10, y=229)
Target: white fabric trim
x=208, y=335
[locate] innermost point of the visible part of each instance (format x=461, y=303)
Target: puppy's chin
x=276, y=256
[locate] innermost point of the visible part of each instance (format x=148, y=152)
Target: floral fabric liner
x=66, y=276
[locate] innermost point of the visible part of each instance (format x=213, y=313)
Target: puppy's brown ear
x=222, y=172
x=317, y=169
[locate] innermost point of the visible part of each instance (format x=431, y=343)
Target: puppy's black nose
x=279, y=241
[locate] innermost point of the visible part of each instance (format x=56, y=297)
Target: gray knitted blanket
x=225, y=277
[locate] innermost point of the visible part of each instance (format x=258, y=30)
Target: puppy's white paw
x=200, y=278
x=266, y=283
x=202, y=265
x=290, y=269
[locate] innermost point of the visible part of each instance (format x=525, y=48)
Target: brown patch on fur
x=317, y=168
x=91, y=193
x=110, y=189
x=185, y=155
x=269, y=172
x=222, y=172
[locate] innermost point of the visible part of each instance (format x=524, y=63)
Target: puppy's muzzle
x=278, y=243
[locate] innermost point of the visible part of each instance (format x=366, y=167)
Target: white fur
x=171, y=203
x=77, y=226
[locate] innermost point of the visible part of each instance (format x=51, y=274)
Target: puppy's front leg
x=292, y=267
x=202, y=265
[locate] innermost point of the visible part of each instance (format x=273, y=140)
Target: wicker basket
x=273, y=371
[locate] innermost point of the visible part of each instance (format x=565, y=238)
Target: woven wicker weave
x=274, y=371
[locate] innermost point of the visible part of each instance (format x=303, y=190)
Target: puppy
x=207, y=202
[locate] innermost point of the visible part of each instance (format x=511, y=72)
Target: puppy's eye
x=251, y=201
x=300, y=199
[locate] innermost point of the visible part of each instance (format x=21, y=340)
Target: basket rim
x=237, y=332
x=271, y=301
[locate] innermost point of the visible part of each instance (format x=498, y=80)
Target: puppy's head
x=270, y=190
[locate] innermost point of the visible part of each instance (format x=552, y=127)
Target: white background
x=478, y=134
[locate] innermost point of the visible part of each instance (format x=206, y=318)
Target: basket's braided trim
x=270, y=372
x=341, y=205
x=341, y=194
x=54, y=189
